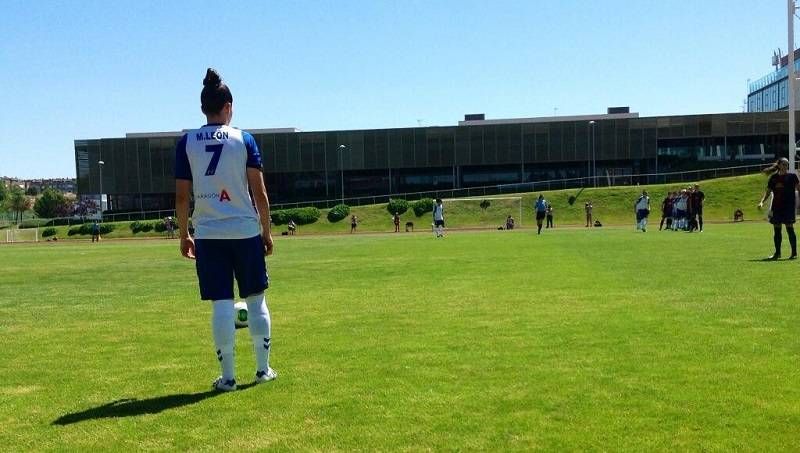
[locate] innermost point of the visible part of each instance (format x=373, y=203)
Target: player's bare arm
x=183, y=188
x=259, y=190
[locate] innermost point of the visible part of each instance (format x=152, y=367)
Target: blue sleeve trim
x=182, y=168
x=253, y=154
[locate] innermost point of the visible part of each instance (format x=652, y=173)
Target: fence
x=546, y=185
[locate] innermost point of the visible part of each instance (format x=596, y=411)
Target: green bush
x=142, y=227
x=86, y=229
x=47, y=232
x=338, y=212
x=301, y=216
x=397, y=205
x=485, y=204
x=422, y=206
x=159, y=226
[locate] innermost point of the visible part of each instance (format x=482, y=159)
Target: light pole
x=594, y=167
x=341, y=170
x=791, y=86
x=100, y=164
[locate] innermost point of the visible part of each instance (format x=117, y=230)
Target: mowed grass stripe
x=575, y=339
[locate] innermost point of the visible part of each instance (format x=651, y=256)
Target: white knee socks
x=259, y=323
x=224, y=330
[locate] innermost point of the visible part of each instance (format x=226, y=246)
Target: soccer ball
x=240, y=308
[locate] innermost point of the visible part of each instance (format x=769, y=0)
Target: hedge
x=422, y=206
x=301, y=216
x=86, y=229
x=47, y=232
x=338, y=212
x=399, y=206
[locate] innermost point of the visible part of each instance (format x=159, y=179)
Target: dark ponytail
x=215, y=94
x=774, y=167
x=771, y=169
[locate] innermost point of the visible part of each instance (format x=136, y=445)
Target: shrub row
x=143, y=227
x=422, y=206
x=86, y=229
x=338, y=212
x=397, y=205
x=301, y=216
x=47, y=232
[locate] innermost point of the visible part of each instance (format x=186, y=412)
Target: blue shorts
x=220, y=260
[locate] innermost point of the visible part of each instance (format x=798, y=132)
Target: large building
x=137, y=170
x=768, y=94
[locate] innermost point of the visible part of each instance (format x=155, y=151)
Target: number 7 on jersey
x=212, y=166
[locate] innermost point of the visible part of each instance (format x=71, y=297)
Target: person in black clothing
x=698, y=198
x=666, y=211
x=549, y=217
x=782, y=185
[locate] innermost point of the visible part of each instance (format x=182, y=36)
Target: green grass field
x=576, y=339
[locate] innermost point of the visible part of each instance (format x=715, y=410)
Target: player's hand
x=187, y=248
x=268, y=245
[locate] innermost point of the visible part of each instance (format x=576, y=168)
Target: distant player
x=782, y=185
x=396, y=220
x=698, y=199
x=218, y=164
x=541, y=211
x=588, y=208
x=438, y=218
x=642, y=208
x=666, y=211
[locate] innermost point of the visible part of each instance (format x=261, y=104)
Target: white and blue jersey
x=215, y=158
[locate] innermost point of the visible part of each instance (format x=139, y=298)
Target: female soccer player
x=782, y=185
x=217, y=164
x=541, y=211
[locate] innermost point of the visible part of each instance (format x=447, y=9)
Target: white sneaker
x=224, y=385
x=266, y=376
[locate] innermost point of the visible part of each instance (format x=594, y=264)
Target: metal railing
x=498, y=189
x=544, y=185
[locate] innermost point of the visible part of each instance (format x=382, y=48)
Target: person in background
x=549, y=213
x=642, y=209
x=541, y=212
x=666, y=211
x=438, y=218
x=291, y=226
x=698, y=199
x=353, y=223
x=680, y=210
x=588, y=208
x=396, y=219
x=509, y=223
x=95, y=232
x=782, y=186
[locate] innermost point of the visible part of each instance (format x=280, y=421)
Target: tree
x=52, y=204
x=3, y=194
x=32, y=191
x=85, y=208
x=18, y=202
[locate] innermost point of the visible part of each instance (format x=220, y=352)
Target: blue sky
x=89, y=69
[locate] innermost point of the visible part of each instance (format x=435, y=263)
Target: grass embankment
x=613, y=205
